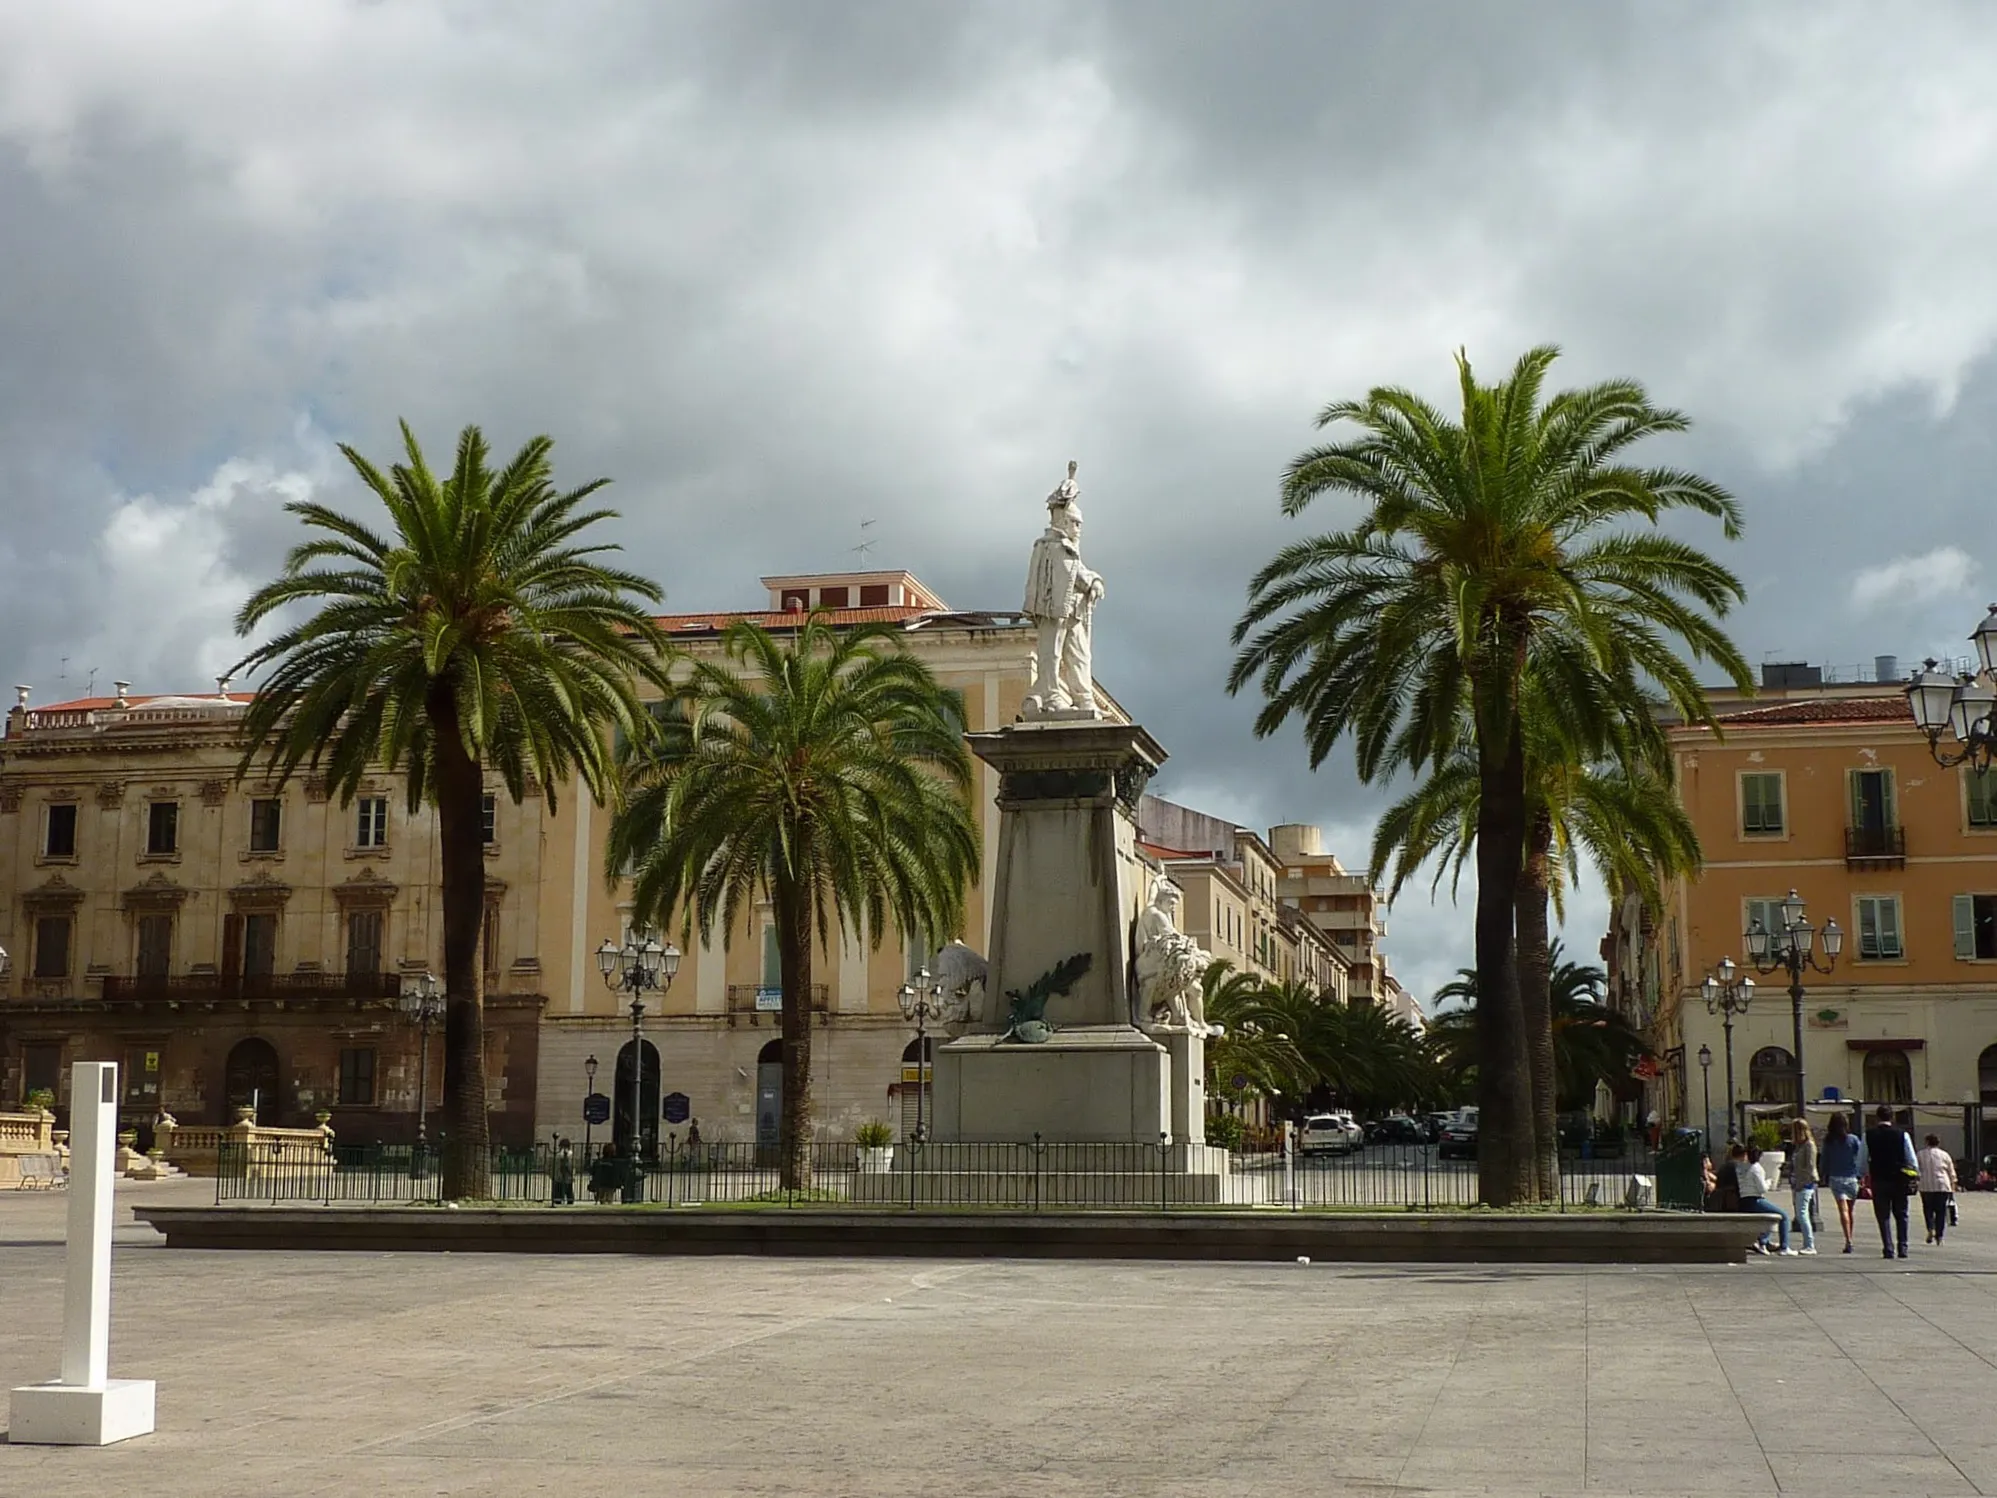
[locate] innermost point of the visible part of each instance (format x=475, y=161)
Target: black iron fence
x=1027, y=1176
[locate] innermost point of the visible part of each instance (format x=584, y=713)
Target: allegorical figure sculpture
x=960, y=976
x=1170, y=965
x=1061, y=598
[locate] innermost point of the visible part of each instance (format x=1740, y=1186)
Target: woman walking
x=1937, y=1185
x=1803, y=1182
x=1843, y=1162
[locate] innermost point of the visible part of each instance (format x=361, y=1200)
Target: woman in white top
x=1937, y=1185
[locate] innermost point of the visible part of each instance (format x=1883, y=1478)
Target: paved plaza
x=289, y=1374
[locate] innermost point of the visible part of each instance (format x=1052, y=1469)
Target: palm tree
x=1255, y=1052
x=1630, y=823
x=1489, y=541
x=825, y=773
x=478, y=633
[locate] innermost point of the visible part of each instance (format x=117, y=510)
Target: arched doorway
x=769, y=1101
x=647, y=1120
x=1771, y=1076
x=1889, y=1077
x=1986, y=1076
x=918, y=1115
x=250, y=1080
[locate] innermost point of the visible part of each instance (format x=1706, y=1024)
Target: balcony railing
x=256, y=986
x=1875, y=845
x=754, y=999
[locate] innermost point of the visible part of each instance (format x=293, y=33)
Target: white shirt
x=1937, y=1169
x=1753, y=1179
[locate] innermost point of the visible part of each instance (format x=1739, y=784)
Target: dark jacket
x=1886, y=1150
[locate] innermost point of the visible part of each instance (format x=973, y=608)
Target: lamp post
x=588, y=1092
x=1706, y=1081
x=1962, y=706
x=422, y=1003
x=1792, y=950
x=921, y=1001
x=639, y=967
x=1728, y=994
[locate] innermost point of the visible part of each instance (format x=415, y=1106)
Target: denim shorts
x=1844, y=1188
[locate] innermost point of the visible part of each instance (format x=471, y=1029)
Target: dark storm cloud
x=780, y=269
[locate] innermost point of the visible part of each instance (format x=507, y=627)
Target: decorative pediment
x=111, y=794
x=214, y=792
x=365, y=890
x=260, y=893
x=10, y=795
x=55, y=895
x=156, y=892
x=315, y=788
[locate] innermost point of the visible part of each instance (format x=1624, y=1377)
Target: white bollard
x=86, y=1407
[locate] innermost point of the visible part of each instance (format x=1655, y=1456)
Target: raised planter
x=1393, y=1237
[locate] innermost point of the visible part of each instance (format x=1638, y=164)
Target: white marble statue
x=960, y=975
x=1061, y=598
x=1170, y=965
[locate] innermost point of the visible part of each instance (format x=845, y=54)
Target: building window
x=163, y=827
x=266, y=824
x=1879, y=926
x=773, y=967
x=1976, y=926
x=1889, y=1077
x=873, y=595
x=364, y=942
x=357, y=1077
x=59, y=839
x=1981, y=790
x=833, y=598
x=155, y=945
x=52, y=946
x=1767, y=914
x=1872, y=809
x=488, y=819
x=259, y=944
x=371, y=824
x=489, y=942
x=1760, y=805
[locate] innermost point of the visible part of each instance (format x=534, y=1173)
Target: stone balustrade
x=196, y=1149
x=29, y=1133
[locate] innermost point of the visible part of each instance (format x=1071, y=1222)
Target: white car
x=1329, y=1134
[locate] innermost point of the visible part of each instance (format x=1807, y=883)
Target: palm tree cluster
x=1504, y=621
x=1301, y=1049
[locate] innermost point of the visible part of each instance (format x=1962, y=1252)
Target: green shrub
x=1765, y=1133
x=873, y=1135
x=1225, y=1130
x=42, y=1097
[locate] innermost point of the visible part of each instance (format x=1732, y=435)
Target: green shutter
x=1889, y=927
x=1852, y=783
x=1889, y=798
x=1965, y=926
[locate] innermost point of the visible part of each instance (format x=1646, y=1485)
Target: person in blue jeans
x=1803, y=1181
x=1842, y=1163
x=1753, y=1180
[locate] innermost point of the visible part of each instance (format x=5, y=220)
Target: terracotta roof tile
x=98, y=704
x=892, y=614
x=1892, y=709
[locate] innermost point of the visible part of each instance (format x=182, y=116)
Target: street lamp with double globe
x=1961, y=706
x=639, y=967
x=1727, y=993
x=422, y=1004
x=1706, y=1078
x=921, y=1001
x=1792, y=950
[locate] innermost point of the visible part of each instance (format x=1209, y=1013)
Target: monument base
x=78, y=1415
x=1093, y=1084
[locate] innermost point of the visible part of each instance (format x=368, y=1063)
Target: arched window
x=645, y=1075
x=1986, y=1076
x=1889, y=1077
x=249, y=1080
x=1771, y=1076
x=916, y=1098
x=769, y=1101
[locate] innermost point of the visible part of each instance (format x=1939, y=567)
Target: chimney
x=124, y=693
x=21, y=697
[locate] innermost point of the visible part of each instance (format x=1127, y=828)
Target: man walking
x=1894, y=1171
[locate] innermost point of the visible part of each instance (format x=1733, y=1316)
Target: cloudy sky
x=781, y=269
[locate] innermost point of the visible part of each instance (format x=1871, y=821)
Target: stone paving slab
x=286, y=1374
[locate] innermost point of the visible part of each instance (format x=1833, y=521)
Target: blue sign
x=596, y=1109
x=769, y=1000
x=679, y=1107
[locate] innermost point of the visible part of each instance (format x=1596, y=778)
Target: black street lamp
x=1727, y=994
x=921, y=1001
x=422, y=1004
x=1791, y=950
x=588, y=1092
x=639, y=967
x=1706, y=1080
x=1962, y=706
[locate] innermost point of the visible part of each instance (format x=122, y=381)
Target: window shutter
x=1889, y=928
x=1853, y=782
x=232, y=945
x=1965, y=926
x=1888, y=798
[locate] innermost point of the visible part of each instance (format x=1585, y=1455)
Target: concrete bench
x=41, y=1172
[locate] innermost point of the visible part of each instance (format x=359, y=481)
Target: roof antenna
x=91, y=690
x=865, y=550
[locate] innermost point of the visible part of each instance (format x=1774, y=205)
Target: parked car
x=1459, y=1136
x=1434, y=1123
x=1329, y=1134
x=1395, y=1128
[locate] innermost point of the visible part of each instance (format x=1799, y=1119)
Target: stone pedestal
x=1101, y=1084
x=1189, y=1085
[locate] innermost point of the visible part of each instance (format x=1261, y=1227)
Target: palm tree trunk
x=793, y=918
x=460, y=789
x=1535, y=967
x=1504, y=1078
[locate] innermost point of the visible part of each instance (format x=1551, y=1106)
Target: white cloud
x=1914, y=580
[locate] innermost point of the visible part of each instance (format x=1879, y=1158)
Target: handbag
x=1953, y=1220
x=1865, y=1188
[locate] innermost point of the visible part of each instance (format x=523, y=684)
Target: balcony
x=1875, y=847
x=756, y=1001
x=214, y=986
